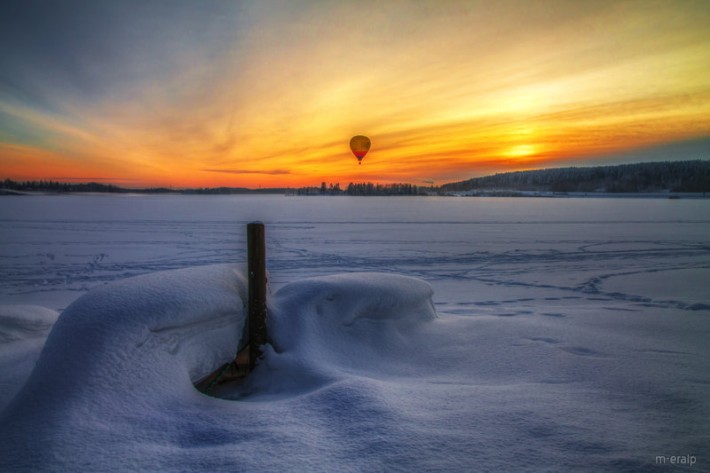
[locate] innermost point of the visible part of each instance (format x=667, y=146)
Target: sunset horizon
x=686, y=150
x=269, y=94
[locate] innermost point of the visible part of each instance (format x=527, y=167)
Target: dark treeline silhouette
x=387, y=189
x=365, y=188
x=232, y=190
x=677, y=176
x=64, y=187
x=53, y=186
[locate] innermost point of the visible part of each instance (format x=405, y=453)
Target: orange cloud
x=445, y=92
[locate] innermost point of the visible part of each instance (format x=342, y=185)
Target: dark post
x=256, y=248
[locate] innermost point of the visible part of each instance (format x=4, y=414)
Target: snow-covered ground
x=561, y=335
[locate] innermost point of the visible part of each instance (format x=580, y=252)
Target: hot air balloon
x=360, y=145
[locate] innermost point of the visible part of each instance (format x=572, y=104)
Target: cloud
x=172, y=93
x=272, y=172
x=85, y=179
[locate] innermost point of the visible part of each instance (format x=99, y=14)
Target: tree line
x=59, y=187
x=673, y=176
x=364, y=188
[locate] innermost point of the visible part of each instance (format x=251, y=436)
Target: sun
x=521, y=151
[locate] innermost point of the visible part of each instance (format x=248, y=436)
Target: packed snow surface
x=428, y=335
x=23, y=330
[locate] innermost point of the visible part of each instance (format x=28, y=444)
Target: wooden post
x=256, y=248
x=245, y=361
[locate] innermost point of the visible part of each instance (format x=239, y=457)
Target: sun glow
x=445, y=92
x=521, y=151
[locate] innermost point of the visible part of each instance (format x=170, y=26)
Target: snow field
x=568, y=335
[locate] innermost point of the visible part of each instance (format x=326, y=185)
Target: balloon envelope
x=360, y=145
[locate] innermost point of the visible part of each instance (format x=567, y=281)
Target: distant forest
x=365, y=188
x=9, y=186
x=678, y=176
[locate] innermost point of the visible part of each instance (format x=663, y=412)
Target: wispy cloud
x=90, y=178
x=269, y=93
x=271, y=172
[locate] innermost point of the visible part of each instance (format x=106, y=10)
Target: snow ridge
x=113, y=388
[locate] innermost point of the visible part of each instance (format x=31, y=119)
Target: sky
x=268, y=93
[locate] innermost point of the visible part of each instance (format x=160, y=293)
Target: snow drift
x=113, y=387
x=121, y=355
x=326, y=328
x=360, y=374
x=23, y=331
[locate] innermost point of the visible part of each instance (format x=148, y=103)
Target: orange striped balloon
x=360, y=145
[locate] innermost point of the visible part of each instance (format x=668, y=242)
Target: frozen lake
x=571, y=333
x=472, y=250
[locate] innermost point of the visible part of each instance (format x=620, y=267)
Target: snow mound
x=326, y=328
x=115, y=356
x=23, y=330
x=21, y=322
x=113, y=388
x=148, y=325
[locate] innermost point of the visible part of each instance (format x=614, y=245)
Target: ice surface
x=571, y=334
